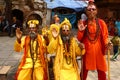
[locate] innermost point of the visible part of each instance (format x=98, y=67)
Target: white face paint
x=65, y=27
x=32, y=25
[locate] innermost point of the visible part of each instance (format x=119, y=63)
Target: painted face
x=32, y=28
x=91, y=11
x=65, y=30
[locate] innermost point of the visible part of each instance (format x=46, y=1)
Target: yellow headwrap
x=66, y=22
x=32, y=23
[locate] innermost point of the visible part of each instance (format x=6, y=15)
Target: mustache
x=65, y=38
x=33, y=35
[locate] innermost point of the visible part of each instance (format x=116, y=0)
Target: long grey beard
x=65, y=39
x=33, y=35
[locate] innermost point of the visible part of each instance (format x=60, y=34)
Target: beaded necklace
x=67, y=53
x=96, y=33
x=32, y=53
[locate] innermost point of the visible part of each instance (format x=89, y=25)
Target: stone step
x=3, y=72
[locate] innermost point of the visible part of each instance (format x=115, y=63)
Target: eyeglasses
x=91, y=9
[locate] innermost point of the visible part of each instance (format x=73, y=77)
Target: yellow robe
x=25, y=68
x=63, y=71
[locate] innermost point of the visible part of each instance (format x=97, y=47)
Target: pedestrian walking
x=116, y=44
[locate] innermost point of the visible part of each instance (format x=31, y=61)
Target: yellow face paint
x=33, y=23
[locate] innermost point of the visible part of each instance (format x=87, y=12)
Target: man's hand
x=109, y=46
x=81, y=26
x=18, y=34
x=81, y=45
x=54, y=33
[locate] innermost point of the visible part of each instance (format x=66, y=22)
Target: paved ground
x=8, y=57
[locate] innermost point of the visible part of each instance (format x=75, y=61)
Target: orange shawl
x=41, y=51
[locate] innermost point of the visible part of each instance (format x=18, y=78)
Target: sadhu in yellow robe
x=65, y=68
x=25, y=70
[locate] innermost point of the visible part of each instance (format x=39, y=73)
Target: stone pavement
x=8, y=57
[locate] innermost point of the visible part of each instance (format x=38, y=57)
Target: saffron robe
x=94, y=57
x=62, y=70
x=26, y=62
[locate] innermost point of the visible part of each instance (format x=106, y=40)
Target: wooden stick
x=108, y=64
x=81, y=74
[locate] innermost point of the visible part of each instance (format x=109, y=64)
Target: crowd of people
x=91, y=44
x=4, y=24
x=9, y=28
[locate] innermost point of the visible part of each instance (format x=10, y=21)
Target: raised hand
x=81, y=26
x=55, y=32
x=18, y=34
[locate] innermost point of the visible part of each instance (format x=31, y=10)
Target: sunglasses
x=91, y=9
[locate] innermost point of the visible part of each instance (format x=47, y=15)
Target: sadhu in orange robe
x=25, y=68
x=94, y=58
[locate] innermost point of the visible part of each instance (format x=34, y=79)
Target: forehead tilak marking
x=65, y=27
x=32, y=25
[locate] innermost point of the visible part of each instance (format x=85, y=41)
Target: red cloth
x=101, y=75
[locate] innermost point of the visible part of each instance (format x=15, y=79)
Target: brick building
x=23, y=9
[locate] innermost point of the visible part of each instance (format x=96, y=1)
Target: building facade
x=24, y=10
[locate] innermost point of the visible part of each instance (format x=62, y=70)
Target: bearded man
x=66, y=49
x=94, y=34
x=33, y=64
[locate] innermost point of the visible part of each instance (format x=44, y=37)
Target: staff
x=108, y=55
x=108, y=64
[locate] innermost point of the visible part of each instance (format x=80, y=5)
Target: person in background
x=16, y=24
x=116, y=44
x=117, y=25
x=94, y=34
x=56, y=20
x=66, y=49
x=1, y=27
x=111, y=27
x=4, y=24
x=33, y=65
